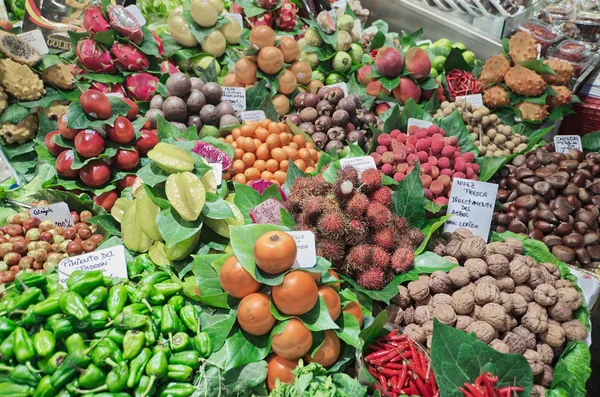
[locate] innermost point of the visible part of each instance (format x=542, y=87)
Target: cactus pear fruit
x=212, y=154
x=267, y=212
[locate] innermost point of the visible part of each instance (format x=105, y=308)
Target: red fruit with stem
x=94, y=103
x=125, y=182
x=65, y=131
x=106, y=200
x=389, y=62
x=134, y=111
x=96, y=173
x=147, y=142
x=363, y=74
x=122, y=132
x=159, y=43
x=126, y=160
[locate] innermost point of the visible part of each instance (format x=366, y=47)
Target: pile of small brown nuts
x=30, y=245
x=555, y=198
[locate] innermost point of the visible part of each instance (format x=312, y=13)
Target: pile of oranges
x=263, y=151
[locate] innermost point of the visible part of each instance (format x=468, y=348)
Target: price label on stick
x=415, y=124
x=361, y=163
x=475, y=99
x=236, y=96
x=217, y=170
x=306, y=255
x=236, y=17
x=253, y=115
x=110, y=260
x=58, y=213
x=566, y=143
x=472, y=206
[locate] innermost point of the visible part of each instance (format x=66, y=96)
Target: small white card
x=110, y=260
x=236, y=96
x=361, y=163
x=472, y=206
x=253, y=115
x=35, y=38
x=475, y=99
x=236, y=17
x=58, y=213
x=339, y=4
x=217, y=170
x=566, y=143
x=137, y=14
x=421, y=42
x=306, y=255
x=415, y=124
x=343, y=86
x=371, y=30
x=117, y=94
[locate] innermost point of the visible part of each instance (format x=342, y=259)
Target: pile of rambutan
x=439, y=157
x=354, y=226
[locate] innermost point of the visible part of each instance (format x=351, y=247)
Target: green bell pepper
x=7, y=348
x=137, y=366
x=137, y=308
x=29, y=318
x=24, y=350
x=55, y=362
x=191, y=358
x=7, y=326
x=21, y=375
x=10, y=389
x=168, y=289
x=169, y=322
x=180, y=342
x=113, y=334
x=60, y=327
x=176, y=302
x=189, y=318
x=145, y=388
x=71, y=304
x=24, y=280
x=116, y=380
x=68, y=369
x=75, y=343
x=105, y=350
x=179, y=372
x=85, y=282
x=92, y=377
x=130, y=321
x=133, y=344
x=176, y=389
x=117, y=299
x=202, y=344
x=45, y=388
x=44, y=343
x=157, y=367
x=30, y=297
x=98, y=319
x=96, y=298
x=48, y=306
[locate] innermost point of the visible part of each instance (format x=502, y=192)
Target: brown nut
x=563, y=229
x=74, y=248
x=573, y=240
x=12, y=258
x=84, y=233
x=563, y=253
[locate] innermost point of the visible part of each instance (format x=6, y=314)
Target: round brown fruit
x=262, y=36
x=94, y=103
x=297, y=294
x=294, y=341
x=329, y=351
x=122, y=132
x=290, y=49
x=280, y=368
x=134, y=111
x=270, y=60
x=287, y=83
x=236, y=280
x=275, y=252
x=254, y=314
x=126, y=160
x=332, y=300
x=63, y=165
x=106, y=200
x=335, y=286
x=302, y=72
x=53, y=148
x=89, y=143
x=282, y=105
x=147, y=142
x=354, y=309
x=231, y=81
x=95, y=173
x=69, y=133
x=245, y=71
x=315, y=85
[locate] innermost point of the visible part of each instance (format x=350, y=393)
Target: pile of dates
x=555, y=198
x=31, y=245
x=331, y=118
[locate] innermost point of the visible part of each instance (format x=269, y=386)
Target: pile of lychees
x=439, y=156
x=354, y=227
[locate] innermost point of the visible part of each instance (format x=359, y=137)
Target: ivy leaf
x=430, y=83
x=250, y=8
x=428, y=262
x=174, y=50
x=349, y=329
x=538, y=66
x=455, y=60
x=453, y=125
x=410, y=40
x=414, y=111
x=293, y=173
x=48, y=60
x=217, y=325
x=247, y=198
x=408, y=198
x=210, y=73
x=108, y=223
x=429, y=229
x=390, y=84
x=14, y=113
x=488, y=166
x=242, y=348
x=198, y=31
x=241, y=380
x=148, y=46
x=591, y=142
x=378, y=40
x=106, y=38
x=152, y=174
x=103, y=78
x=174, y=228
x=329, y=38
x=316, y=319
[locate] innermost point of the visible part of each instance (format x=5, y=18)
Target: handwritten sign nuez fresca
x=110, y=260
x=306, y=255
x=58, y=213
x=566, y=143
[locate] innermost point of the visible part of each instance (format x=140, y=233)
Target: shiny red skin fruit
x=63, y=165
x=106, y=200
x=125, y=182
x=96, y=173
x=53, y=148
x=89, y=143
x=134, y=111
x=94, y=103
x=122, y=132
x=69, y=133
x=126, y=160
x=147, y=142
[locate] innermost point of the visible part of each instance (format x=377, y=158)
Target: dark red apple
x=147, y=142
x=95, y=173
x=126, y=160
x=89, y=143
x=122, y=132
x=63, y=165
x=53, y=148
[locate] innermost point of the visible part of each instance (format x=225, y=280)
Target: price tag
x=307, y=252
x=361, y=164
x=357, y=27
x=35, y=38
x=117, y=94
x=371, y=30
x=253, y=115
x=236, y=17
x=472, y=206
x=343, y=86
x=110, y=260
x=416, y=124
x=566, y=143
x=137, y=14
x=421, y=42
x=217, y=170
x=236, y=96
x=475, y=99
x=58, y=213
x=339, y=4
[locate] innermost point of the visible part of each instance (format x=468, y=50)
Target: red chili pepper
x=375, y=355
x=465, y=392
x=392, y=365
x=422, y=389
x=491, y=377
x=383, y=382
x=373, y=372
x=474, y=391
x=403, y=376
x=389, y=372
x=489, y=386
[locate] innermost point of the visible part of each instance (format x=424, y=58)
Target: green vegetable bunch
x=16, y=8
x=156, y=9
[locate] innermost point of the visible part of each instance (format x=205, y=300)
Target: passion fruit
x=329, y=351
x=270, y=60
x=254, y=314
x=232, y=31
x=282, y=105
x=302, y=72
x=275, y=252
x=294, y=341
x=332, y=300
x=287, y=83
x=354, y=309
x=290, y=49
x=236, y=280
x=297, y=294
x=280, y=368
x=315, y=85
x=245, y=71
x=262, y=36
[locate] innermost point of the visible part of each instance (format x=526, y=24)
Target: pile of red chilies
x=400, y=367
x=460, y=83
x=485, y=386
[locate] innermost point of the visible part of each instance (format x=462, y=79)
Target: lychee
x=377, y=158
x=422, y=144
x=384, y=139
x=436, y=187
x=421, y=133
x=426, y=168
x=432, y=160
x=422, y=156
x=400, y=155
x=427, y=193
x=448, y=151
x=469, y=157
x=402, y=260
x=441, y=200
x=425, y=180
x=394, y=134
x=387, y=169
x=381, y=149
x=398, y=176
x=387, y=158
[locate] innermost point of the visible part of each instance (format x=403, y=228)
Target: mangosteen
x=349, y=127
x=334, y=145
x=357, y=137
x=311, y=100
x=347, y=105
x=354, y=120
x=294, y=118
x=208, y=114
x=197, y=83
x=175, y=109
x=195, y=121
x=195, y=101
x=225, y=108
x=320, y=139
x=340, y=118
x=323, y=123
x=157, y=102
x=179, y=84
x=228, y=120
x=212, y=92
x=369, y=118
x=322, y=93
x=180, y=126
x=309, y=128
x=299, y=101
x=309, y=115
x=334, y=95
x=336, y=133
x=151, y=116
x=355, y=100
x=324, y=108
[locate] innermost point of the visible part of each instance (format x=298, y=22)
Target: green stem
x=90, y=391
x=147, y=304
x=150, y=384
x=6, y=368
x=110, y=362
x=30, y=367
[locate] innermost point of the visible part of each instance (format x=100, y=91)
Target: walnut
x=473, y=247
x=528, y=336
x=469, y=288
x=553, y=322
x=519, y=304
x=506, y=284
x=483, y=331
x=459, y=276
x=415, y=332
x=534, y=360
x=512, y=321
x=424, y=277
x=552, y=269
x=502, y=249
x=545, y=295
x=544, y=379
x=536, y=318
x=462, y=322
x=423, y=302
x=539, y=275
x=440, y=298
x=453, y=249
x=461, y=234
x=445, y=314
x=525, y=292
x=486, y=293
x=418, y=290
x=487, y=279
x=451, y=259
x=574, y=330
x=515, y=244
x=519, y=271
x=395, y=314
x=545, y=352
x=408, y=315
x=476, y=311
x=476, y=267
x=493, y=314
x=515, y=343
x=437, y=246
x=507, y=302
x=563, y=283
x=463, y=302
x=403, y=298
x=538, y=391
x=439, y=282
x=427, y=327
x=570, y=296
x=498, y=265
x=499, y=346
x=423, y=314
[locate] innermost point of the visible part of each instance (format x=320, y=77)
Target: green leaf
x=217, y=325
x=429, y=83
x=329, y=38
x=428, y=262
x=79, y=120
x=241, y=380
x=152, y=174
x=429, y=229
x=591, y=142
x=316, y=319
x=210, y=73
x=453, y=125
x=247, y=198
x=538, y=66
x=390, y=84
x=414, y=111
x=389, y=291
x=250, y=8
x=174, y=228
x=217, y=208
x=455, y=60
x=378, y=40
x=571, y=371
x=103, y=78
x=410, y=40
x=293, y=173
x=207, y=278
x=488, y=166
x=14, y=113
x=106, y=38
x=349, y=329
x=407, y=199
x=148, y=46
x=375, y=330
x=108, y=223
x=198, y=31
x=47, y=61
x=242, y=348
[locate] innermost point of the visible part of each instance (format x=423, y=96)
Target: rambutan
x=370, y=179
x=357, y=205
x=385, y=238
x=294, y=204
x=402, y=259
x=380, y=257
x=330, y=249
x=348, y=174
x=357, y=232
x=359, y=257
x=372, y=279
x=318, y=186
x=378, y=215
x=400, y=223
x=416, y=237
x=333, y=224
x=382, y=195
x=343, y=189
x=312, y=208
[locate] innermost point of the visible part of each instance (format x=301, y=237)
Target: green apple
x=459, y=45
x=443, y=43
x=469, y=56
x=433, y=72
x=438, y=62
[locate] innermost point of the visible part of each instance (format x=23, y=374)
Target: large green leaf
x=453, y=125
x=428, y=262
x=591, y=142
x=386, y=293
x=414, y=111
x=571, y=371
x=247, y=198
x=407, y=199
x=217, y=325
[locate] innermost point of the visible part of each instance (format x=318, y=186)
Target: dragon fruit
x=237, y=9
x=168, y=67
x=212, y=154
x=266, y=4
x=267, y=212
x=111, y=88
x=129, y=58
x=285, y=16
x=260, y=185
x=74, y=69
x=263, y=19
x=124, y=22
x=141, y=86
x=159, y=43
x=94, y=21
x=94, y=56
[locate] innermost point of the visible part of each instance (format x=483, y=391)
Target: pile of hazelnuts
x=28, y=244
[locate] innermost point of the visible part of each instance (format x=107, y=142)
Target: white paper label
x=421, y=42
x=217, y=170
x=339, y=4
x=566, y=143
x=117, y=94
x=137, y=14
x=110, y=260
x=58, y=213
x=361, y=164
x=236, y=17
x=371, y=30
x=357, y=27
x=472, y=206
x=253, y=115
x=35, y=38
x=475, y=99
x=416, y=124
x=236, y=96
x=343, y=86
x=590, y=288
x=306, y=255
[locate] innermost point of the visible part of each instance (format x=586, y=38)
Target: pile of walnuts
x=509, y=301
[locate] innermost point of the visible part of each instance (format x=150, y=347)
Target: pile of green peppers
x=99, y=337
